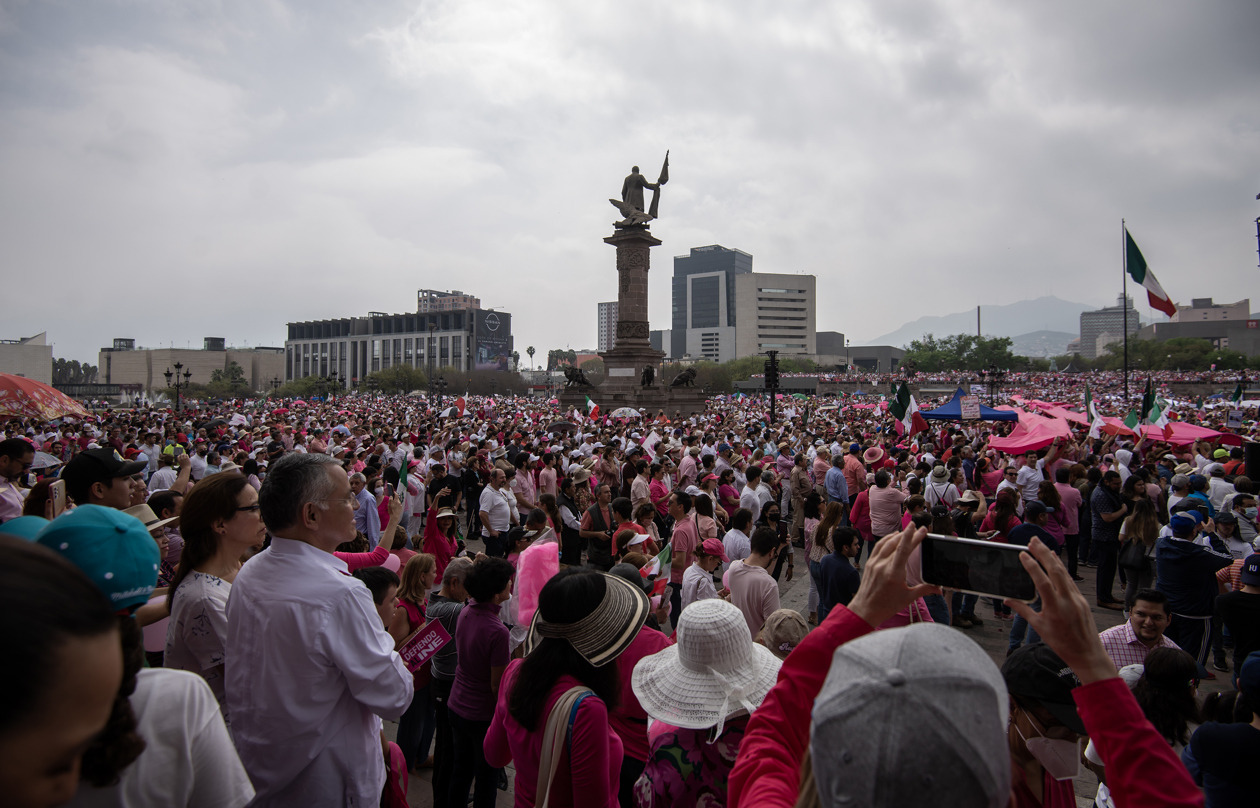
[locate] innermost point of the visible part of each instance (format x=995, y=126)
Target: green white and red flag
x=1142, y=274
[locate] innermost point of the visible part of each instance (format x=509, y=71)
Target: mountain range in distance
x=1056, y=323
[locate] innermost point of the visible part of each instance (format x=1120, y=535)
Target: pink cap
x=714, y=547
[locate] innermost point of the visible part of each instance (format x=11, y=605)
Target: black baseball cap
x=1036, y=673
x=99, y=465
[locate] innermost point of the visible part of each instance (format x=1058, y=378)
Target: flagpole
x=1124, y=304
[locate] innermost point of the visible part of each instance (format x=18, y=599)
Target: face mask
x=1061, y=759
x=1250, y=513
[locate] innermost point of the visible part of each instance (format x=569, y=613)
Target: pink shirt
x=594, y=771
x=1071, y=507
x=885, y=509
x=629, y=720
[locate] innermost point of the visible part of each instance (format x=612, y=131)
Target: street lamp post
x=336, y=385
x=275, y=385
x=177, y=385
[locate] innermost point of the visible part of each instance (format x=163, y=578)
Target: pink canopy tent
x=1181, y=434
x=1055, y=411
x=1032, y=432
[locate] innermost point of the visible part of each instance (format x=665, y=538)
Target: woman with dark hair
x=220, y=523
x=819, y=522
x=728, y=495
x=1166, y=694
x=418, y=723
x=250, y=471
x=997, y=526
x=1140, y=528
x=64, y=715
x=705, y=521
x=482, y=640
x=1056, y=520
x=552, y=713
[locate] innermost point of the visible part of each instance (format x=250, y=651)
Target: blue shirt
x=837, y=488
x=367, y=519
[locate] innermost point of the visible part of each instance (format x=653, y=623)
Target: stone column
x=633, y=260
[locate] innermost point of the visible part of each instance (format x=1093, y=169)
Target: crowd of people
x=216, y=606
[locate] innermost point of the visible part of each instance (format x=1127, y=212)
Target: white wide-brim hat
x=714, y=671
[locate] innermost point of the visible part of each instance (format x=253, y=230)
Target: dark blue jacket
x=1187, y=573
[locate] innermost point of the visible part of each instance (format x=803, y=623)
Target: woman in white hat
x=701, y=692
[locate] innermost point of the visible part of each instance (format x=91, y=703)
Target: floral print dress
x=685, y=769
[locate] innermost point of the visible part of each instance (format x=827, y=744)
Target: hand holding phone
x=57, y=498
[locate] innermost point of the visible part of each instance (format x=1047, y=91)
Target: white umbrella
x=43, y=460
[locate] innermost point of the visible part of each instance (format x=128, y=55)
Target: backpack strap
x=557, y=736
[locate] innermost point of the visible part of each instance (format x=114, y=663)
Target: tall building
x=432, y=300
x=607, y=326
x=703, y=322
x=775, y=312
x=352, y=347
x=1107, y=322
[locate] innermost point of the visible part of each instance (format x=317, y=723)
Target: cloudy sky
x=171, y=170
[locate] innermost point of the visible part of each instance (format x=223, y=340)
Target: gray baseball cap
x=912, y=716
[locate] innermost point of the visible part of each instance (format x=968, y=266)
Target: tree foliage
x=72, y=372
x=1181, y=353
x=559, y=356
x=962, y=352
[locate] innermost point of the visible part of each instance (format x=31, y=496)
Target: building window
x=444, y=348
x=408, y=355
x=705, y=303
x=376, y=354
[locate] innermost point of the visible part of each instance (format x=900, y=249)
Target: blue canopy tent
x=952, y=411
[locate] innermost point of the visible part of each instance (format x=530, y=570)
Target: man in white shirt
x=736, y=541
x=750, y=497
x=309, y=668
x=496, y=513
x=1030, y=477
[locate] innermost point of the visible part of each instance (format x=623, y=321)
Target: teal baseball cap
x=114, y=549
x=24, y=527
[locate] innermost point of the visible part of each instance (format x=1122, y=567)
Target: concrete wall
x=755, y=301
x=30, y=357
x=146, y=367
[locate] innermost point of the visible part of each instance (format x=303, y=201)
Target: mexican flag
x=1132, y=421
x=659, y=567
x=1237, y=397
x=1095, y=417
x=904, y=408
x=592, y=409
x=461, y=405
x=1153, y=409
x=1138, y=270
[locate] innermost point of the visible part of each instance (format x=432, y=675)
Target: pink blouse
x=595, y=769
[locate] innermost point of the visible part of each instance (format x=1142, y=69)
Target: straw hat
x=713, y=672
x=602, y=635
x=581, y=475
x=146, y=515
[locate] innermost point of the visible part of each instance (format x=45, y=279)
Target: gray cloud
x=177, y=170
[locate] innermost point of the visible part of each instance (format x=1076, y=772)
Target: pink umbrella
x=300, y=403
x=281, y=411
x=21, y=397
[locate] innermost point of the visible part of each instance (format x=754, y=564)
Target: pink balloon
x=392, y=563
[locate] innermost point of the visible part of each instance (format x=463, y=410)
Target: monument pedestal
x=632, y=351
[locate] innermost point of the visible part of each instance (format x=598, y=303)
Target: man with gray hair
x=367, y=519
x=311, y=667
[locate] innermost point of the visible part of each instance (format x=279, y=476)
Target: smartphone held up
x=991, y=569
